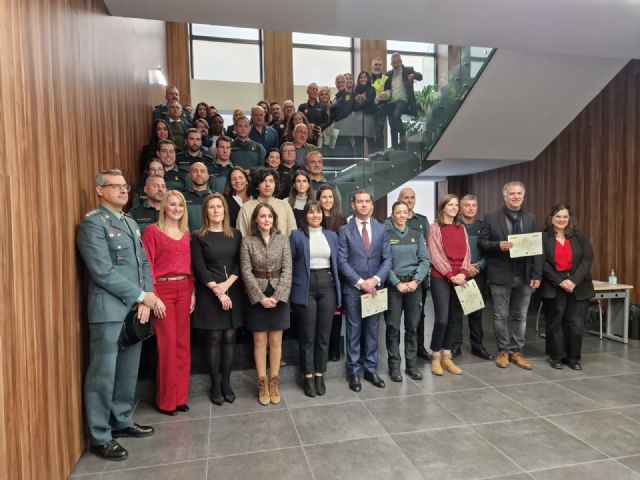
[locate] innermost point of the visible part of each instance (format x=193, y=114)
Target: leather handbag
x=133, y=331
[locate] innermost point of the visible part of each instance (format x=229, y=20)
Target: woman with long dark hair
x=566, y=286
x=236, y=192
x=159, y=131
x=215, y=254
x=300, y=194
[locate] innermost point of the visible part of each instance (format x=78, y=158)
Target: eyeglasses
x=118, y=186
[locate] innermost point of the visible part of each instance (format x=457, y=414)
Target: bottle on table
x=613, y=279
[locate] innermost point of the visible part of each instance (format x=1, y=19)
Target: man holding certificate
x=364, y=258
x=512, y=278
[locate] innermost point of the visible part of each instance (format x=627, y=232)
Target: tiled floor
x=487, y=423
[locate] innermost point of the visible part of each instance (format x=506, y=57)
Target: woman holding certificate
x=566, y=286
x=410, y=267
x=450, y=256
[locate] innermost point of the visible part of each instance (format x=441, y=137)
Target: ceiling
x=604, y=28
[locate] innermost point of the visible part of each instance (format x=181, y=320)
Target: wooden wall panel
x=278, y=66
x=74, y=99
x=594, y=165
x=178, y=64
x=370, y=49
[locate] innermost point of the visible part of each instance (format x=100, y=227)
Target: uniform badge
x=111, y=234
x=413, y=240
x=119, y=260
x=347, y=98
x=118, y=234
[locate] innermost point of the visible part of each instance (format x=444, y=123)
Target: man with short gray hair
x=511, y=280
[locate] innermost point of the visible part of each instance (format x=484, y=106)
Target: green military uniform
x=247, y=154
x=162, y=112
x=218, y=176
x=194, y=200
x=144, y=215
x=174, y=179
x=111, y=248
x=185, y=160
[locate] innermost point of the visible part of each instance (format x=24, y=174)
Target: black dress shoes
x=111, y=450
x=395, y=376
x=309, y=387
x=482, y=353
x=334, y=356
x=183, y=408
x=424, y=354
x=574, y=365
x=171, y=413
x=375, y=380
x=354, y=383
x=413, y=373
x=557, y=364
x=319, y=381
x=134, y=430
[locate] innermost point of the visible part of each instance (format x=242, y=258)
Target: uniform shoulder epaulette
x=91, y=213
x=416, y=214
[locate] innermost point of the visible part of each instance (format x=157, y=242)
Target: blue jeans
x=510, y=306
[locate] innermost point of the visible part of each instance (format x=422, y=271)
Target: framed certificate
x=372, y=304
x=525, y=245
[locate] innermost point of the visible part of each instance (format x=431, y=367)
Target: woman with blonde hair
x=215, y=252
x=167, y=245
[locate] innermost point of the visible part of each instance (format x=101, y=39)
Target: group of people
x=262, y=245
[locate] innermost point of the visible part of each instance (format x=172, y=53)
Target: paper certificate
x=372, y=304
x=525, y=245
x=470, y=297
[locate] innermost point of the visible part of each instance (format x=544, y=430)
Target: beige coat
x=256, y=256
x=286, y=221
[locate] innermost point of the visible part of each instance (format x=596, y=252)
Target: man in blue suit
x=109, y=243
x=364, y=254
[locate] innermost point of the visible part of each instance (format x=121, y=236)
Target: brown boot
x=263, y=391
x=448, y=365
x=520, y=361
x=502, y=360
x=436, y=367
x=274, y=389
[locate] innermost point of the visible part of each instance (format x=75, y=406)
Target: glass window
x=480, y=52
x=230, y=62
x=314, y=40
x=225, y=32
x=319, y=66
x=418, y=47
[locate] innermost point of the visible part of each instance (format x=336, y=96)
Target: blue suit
x=301, y=265
x=356, y=264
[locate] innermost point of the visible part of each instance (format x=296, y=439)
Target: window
x=319, y=58
x=478, y=56
x=421, y=56
x=226, y=53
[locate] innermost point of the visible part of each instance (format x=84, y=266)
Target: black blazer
x=408, y=85
x=495, y=231
x=580, y=274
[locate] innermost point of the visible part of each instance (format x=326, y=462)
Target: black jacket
x=408, y=86
x=493, y=232
x=580, y=273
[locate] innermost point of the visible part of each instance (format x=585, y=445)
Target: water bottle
x=613, y=280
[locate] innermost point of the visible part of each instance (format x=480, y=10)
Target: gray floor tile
x=607, y=430
x=632, y=462
x=493, y=375
x=410, y=414
x=246, y=402
x=537, y=444
x=606, y=470
x=187, y=470
x=548, y=398
x=631, y=355
x=88, y=463
x=330, y=423
x=146, y=413
x=337, y=392
x=448, y=383
x=593, y=344
x=392, y=389
x=607, y=391
x=283, y=464
x=365, y=459
x=251, y=432
x=515, y=476
x=592, y=366
x=479, y=406
x=172, y=442
x=455, y=453
x=629, y=379
x=631, y=412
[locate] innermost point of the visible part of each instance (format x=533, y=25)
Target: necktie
x=365, y=237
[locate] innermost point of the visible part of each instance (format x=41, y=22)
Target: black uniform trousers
x=410, y=304
x=564, y=320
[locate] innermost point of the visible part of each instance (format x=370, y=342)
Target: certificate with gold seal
x=470, y=297
x=372, y=304
x=525, y=245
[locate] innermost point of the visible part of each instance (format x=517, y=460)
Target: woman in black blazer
x=566, y=286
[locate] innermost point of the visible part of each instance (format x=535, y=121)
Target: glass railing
x=355, y=159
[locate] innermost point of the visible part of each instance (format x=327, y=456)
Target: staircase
x=353, y=165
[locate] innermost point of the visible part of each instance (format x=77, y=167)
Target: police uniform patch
x=347, y=98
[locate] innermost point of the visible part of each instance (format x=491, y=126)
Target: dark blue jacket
x=302, y=268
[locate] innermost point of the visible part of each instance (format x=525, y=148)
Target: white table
x=617, y=297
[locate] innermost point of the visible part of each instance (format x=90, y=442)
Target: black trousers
x=420, y=330
x=475, y=322
x=448, y=313
x=314, y=322
x=410, y=304
x=564, y=320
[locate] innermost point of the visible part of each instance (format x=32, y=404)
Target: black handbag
x=133, y=331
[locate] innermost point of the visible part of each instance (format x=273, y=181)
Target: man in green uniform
x=109, y=243
x=173, y=177
x=245, y=152
x=195, y=195
x=222, y=165
x=149, y=211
